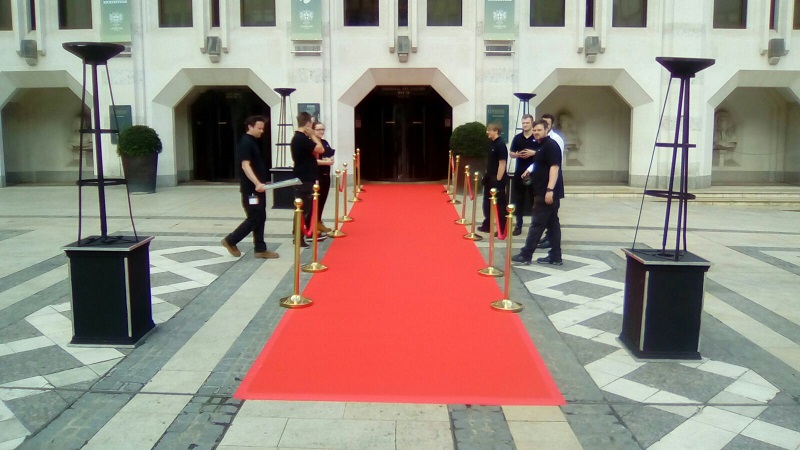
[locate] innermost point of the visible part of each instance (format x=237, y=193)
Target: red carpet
x=402, y=316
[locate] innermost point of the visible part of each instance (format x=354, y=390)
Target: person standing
x=522, y=147
x=324, y=163
x=251, y=170
x=306, y=148
x=549, y=119
x=548, y=190
x=495, y=177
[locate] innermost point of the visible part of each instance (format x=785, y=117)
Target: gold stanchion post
x=315, y=266
x=296, y=300
x=355, y=180
x=471, y=235
x=345, y=217
x=358, y=162
x=506, y=304
x=449, y=171
x=490, y=270
x=453, y=200
x=336, y=232
x=463, y=220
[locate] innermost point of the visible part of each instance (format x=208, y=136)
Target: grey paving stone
x=220, y=268
x=673, y=377
x=746, y=443
x=181, y=298
x=783, y=416
x=58, y=293
x=584, y=289
x=649, y=424
x=191, y=255
x=608, y=322
x=17, y=331
x=37, y=410
x=166, y=278
x=28, y=273
x=597, y=427
x=41, y=361
x=480, y=427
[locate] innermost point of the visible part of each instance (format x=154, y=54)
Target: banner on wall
x=307, y=20
x=499, y=114
x=115, y=20
x=498, y=23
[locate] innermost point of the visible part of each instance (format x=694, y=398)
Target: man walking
x=551, y=133
x=306, y=148
x=522, y=147
x=548, y=190
x=251, y=170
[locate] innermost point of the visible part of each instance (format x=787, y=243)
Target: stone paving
x=215, y=312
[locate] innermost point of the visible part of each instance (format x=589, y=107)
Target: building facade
x=394, y=77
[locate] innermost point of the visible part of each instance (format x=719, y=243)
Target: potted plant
x=139, y=147
x=470, y=141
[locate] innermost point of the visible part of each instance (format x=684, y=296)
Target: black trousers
x=324, y=189
x=305, y=192
x=490, y=182
x=254, y=223
x=544, y=216
x=522, y=198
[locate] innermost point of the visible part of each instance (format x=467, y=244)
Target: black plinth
x=110, y=290
x=282, y=198
x=663, y=304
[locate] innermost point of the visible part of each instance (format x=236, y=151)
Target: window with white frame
x=361, y=13
x=547, y=13
x=174, y=13
x=258, y=13
x=74, y=14
x=629, y=14
x=730, y=14
x=444, y=13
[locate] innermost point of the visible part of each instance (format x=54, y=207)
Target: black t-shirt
x=548, y=155
x=520, y=142
x=249, y=150
x=498, y=153
x=305, y=162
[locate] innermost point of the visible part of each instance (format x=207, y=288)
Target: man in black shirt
x=495, y=177
x=548, y=190
x=254, y=200
x=306, y=148
x=522, y=150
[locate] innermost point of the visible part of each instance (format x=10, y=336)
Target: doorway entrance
x=403, y=133
x=218, y=117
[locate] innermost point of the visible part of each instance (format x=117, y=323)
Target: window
x=361, y=13
x=773, y=25
x=31, y=15
x=730, y=14
x=5, y=15
x=258, y=13
x=174, y=13
x=547, y=13
x=402, y=13
x=629, y=14
x=796, y=18
x=74, y=14
x=589, y=13
x=214, y=13
x=444, y=13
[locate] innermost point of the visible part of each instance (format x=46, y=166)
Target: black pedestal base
x=663, y=304
x=110, y=290
x=282, y=198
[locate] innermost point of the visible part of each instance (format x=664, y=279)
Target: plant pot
x=140, y=172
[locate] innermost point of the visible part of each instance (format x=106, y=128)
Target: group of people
x=313, y=158
x=537, y=180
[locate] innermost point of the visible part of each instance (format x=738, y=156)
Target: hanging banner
x=498, y=22
x=499, y=114
x=307, y=20
x=115, y=20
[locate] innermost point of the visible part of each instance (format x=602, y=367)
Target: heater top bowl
x=93, y=53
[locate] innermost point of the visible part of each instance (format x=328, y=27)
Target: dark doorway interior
x=217, y=124
x=403, y=133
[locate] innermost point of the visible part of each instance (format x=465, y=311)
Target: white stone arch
x=172, y=121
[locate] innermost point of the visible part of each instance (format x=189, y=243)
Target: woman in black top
x=324, y=162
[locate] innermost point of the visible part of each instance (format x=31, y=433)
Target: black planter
x=282, y=198
x=140, y=172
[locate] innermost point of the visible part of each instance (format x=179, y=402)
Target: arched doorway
x=218, y=117
x=403, y=133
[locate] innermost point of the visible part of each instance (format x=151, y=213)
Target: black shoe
x=544, y=244
x=483, y=228
x=519, y=259
x=549, y=260
x=303, y=244
x=517, y=231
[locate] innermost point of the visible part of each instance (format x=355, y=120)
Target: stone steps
x=745, y=195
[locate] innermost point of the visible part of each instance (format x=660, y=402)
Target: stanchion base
x=491, y=272
x=345, y=219
x=336, y=234
x=354, y=199
x=361, y=189
x=463, y=222
x=313, y=267
x=473, y=237
x=507, y=305
x=295, y=302
x=454, y=202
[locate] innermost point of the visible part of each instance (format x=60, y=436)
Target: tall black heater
x=664, y=286
x=283, y=198
x=110, y=275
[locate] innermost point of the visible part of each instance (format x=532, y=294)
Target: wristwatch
x=549, y=190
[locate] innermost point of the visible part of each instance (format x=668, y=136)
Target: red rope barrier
x=469, y=189
x=344, y=181
x=308, y=231
x=501, y=233
x=452, y=165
